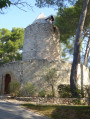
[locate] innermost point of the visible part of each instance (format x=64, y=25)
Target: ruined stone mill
x=41, y=51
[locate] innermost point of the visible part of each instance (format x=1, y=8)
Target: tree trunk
x=87, y=52
x=73, y=77
x=53, y=92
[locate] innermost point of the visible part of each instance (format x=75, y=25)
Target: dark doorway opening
x=6, y=83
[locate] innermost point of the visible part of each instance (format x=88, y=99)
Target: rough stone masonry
x=41, y=51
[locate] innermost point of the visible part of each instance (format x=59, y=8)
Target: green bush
x=64, y=91
x=27, y=89
x=77, y=102
x=88, y=93
x=14, y=88
x=79, y=93
x=42, y=93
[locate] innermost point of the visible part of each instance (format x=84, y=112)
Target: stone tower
x=41, y=54
x=41, y=40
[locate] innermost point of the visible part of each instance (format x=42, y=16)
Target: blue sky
x=15, y=17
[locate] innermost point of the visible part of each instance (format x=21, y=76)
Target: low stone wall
x=55, y=101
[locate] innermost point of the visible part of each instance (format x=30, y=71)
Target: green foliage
x=42, y=93
x=11, y=42
x=88, y=92
x=4, y=3
x=78, y=91
x=14, y=88
x=27, y=89
x=67, y=50
x=77, y=102
x=67, y=21
x=64, y=91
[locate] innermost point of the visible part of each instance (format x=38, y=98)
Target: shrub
x=42, y=93
x=64, y=91
x=14, y=88
x=77, y=102
x=88, y=92
x=79, y=93
x=27, y=89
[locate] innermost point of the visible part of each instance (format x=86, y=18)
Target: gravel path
x=12, y=110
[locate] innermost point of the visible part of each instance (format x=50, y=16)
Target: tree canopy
x=58, y=3
x=67, y=21
x=11, y=42
x=4, y=3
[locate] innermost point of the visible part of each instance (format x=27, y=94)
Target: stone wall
x=38, y=70
x=35, y=71
x=41, y=41
x=55, y=101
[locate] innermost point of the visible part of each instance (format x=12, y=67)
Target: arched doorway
x=6, y=83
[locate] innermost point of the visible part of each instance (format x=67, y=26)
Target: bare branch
x=20, y=4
